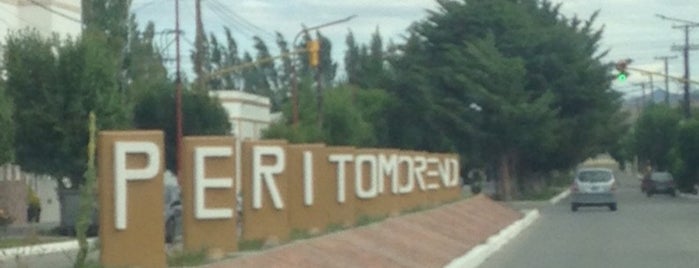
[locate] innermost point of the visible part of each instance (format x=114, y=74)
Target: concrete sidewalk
x=432, y=238
x=461, y=234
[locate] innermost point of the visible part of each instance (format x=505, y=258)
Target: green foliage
x=187, y=259
x=366, y=219
x=656, y=134
x=687, y=166
x=202, y=115
x=248, y=245
x=343, y=122
x=352, y=116
x=56, y=84
x=144, y=64
x=542, y=96
x=6, y=127
x=87, y=193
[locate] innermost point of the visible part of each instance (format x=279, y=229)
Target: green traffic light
x=621, y=77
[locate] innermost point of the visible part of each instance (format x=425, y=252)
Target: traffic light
x=621, y=68
x=313, y=48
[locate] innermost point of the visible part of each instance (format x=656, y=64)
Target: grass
x=333, y=228
x=247, y=245
x=366, y=219
x=185, y=258
x=299, y=234
x=28, y=241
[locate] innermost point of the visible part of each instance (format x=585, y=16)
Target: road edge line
x=560, y=196
x=477, y=255
x=690, y=196
x=42, y=249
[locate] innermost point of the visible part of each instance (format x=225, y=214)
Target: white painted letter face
x=340, y=159
x=122, y=175
x=308, y=178
x=388, y=166
x=373, y=189
x=409, y=176
x=262, y=173
x=201, y=183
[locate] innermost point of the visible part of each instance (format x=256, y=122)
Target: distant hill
x=658, y=96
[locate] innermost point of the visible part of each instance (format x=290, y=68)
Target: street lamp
x=294, y=85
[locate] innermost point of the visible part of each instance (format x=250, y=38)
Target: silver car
x=593, y=187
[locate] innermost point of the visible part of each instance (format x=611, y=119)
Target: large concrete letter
x=266, y=173
x=208, y=195
x=201, y=183
x=373, y=189
x=341, y=160
x=267, y=178
x=130, y=185
x=388, y=166
x=123, y=174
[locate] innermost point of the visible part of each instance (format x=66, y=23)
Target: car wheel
x=649, y=193
x=612, y=207
x=574, y=207
x=170, y=231
x=673, y=193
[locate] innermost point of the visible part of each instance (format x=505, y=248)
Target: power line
x=686, y=26
x=55, y=12
x=229, y=11
x=225, y=19
x=227, y=14
x=145, y=5
x=20, y=18
x=667, y=81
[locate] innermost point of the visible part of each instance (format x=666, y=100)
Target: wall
x=13, y=193
x=249, y=114
x=47, y=189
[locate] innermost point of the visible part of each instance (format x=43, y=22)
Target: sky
x=631, y=27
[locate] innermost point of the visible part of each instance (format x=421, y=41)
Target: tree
x=145, y=70
x=352, y=60
x=6, y=127
x=537, y=76
x=685, y=168
x=202, y=115
x=656, y=134
x=54, y=86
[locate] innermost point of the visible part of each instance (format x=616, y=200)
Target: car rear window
x=594, y=176
x=661, y=177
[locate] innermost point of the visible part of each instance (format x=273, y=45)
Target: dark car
x=659, y=183
x=173, y=213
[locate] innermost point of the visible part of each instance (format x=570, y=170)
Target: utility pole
x=178, y=94
x=667, y=83
x=199, y=47
x=686, y=26
x=294, y=85
x=643, y=91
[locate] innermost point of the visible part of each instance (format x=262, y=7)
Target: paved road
x=660, y=231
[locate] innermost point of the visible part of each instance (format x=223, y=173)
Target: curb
x=560, y=196
x=477, y=255
x=690, y=196
x=41, y=249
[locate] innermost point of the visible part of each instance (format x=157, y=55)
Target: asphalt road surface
x=660, y=231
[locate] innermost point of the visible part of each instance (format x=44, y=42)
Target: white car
x=593, y=187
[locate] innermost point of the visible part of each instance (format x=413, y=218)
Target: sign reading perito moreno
x=283, y=186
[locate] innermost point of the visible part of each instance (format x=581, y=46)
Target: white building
x=249, y=114
x=46, y=16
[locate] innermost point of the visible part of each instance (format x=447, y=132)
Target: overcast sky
x=631, y=28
